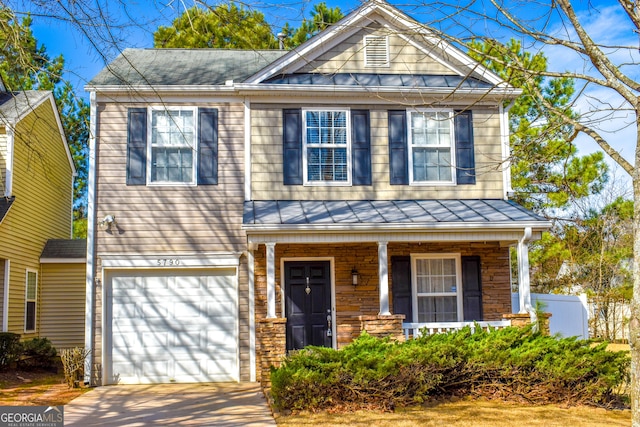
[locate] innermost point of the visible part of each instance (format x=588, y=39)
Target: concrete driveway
x=220, y=404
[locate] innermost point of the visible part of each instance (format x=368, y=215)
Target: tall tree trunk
x=634, y=321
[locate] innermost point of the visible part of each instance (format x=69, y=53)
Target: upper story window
x=172, y=146
x=326, y=137
x=376, y=51
x=431, y=147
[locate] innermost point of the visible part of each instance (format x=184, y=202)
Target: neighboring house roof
x=15, y=105
x=185, y=67
x=64, y=250
x=407, y=214
x=5, y=205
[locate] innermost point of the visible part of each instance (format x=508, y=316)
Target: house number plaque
x=167, y=262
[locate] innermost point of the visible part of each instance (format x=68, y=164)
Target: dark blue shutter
x=398, y=160
x=137, y=146
x=207, y=146
x=292, y=147
x=471, y=288
x=465, y=159
x=361, y=147
x=401, y=286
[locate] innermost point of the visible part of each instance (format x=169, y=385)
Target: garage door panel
x=181, y=327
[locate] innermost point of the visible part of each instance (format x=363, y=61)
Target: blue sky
x=133, y=25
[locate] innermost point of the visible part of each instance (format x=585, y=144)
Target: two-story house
x=246, y=203
x=36, y=182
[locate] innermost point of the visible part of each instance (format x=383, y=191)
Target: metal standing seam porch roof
x=283, y=215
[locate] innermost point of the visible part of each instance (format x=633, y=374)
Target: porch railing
x=417, y=329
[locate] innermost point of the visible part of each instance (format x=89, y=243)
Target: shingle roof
x=159, y=67
x=65, y=249
x=5, y=205
x=386, y=212
x=15, y=104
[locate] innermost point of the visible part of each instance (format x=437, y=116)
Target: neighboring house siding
x=42, y=209
x=405, y=58
x=62, y=292
x=170, y=218
x=267, y=178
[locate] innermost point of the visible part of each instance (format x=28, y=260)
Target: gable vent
x=376, y=51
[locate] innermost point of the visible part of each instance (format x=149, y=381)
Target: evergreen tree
x=225, y=26
x=546, y=170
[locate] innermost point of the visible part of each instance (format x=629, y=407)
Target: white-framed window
x=376, y=51
x=327, y=151
x=172, y=146
x=436, y=287
x=30, y=301
x=431, y=147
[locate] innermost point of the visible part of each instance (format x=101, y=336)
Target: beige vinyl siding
x=42, y=208
x=266, y=154
x=62, y=296
x=404, y=57
x=172, y=218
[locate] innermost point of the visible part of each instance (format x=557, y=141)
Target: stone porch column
x=383, y=277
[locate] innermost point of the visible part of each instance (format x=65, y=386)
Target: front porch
x=322, y=278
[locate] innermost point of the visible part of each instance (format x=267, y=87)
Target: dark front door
x=308, y=303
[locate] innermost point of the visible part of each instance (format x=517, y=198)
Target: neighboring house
x=63, y=272
x=246, y=203
x=36, y=180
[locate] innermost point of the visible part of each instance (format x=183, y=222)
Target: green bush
x=37, y=353
x=511, y=363
x=10, y=349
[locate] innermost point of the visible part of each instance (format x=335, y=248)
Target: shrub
x=37, y=353
x=10, y=349
x=512, y=363
x=73, y=361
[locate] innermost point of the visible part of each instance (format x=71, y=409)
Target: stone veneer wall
x=383, y=326
x=363, y=300
x=271, y=348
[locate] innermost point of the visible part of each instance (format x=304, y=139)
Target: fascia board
x=453, y=227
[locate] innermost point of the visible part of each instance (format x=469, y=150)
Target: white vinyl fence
x=569, y=313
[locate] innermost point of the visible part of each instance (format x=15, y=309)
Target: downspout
x=504, y=139
x=89, y=333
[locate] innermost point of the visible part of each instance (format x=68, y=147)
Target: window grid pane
x=436, y=286
x=31, y=285
x=172, y=145
x=326, y=133
x=431, y=140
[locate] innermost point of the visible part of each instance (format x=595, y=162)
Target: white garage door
x=178, y=326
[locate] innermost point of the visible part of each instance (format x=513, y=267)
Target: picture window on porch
x=437, y=288
x=327, y=158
